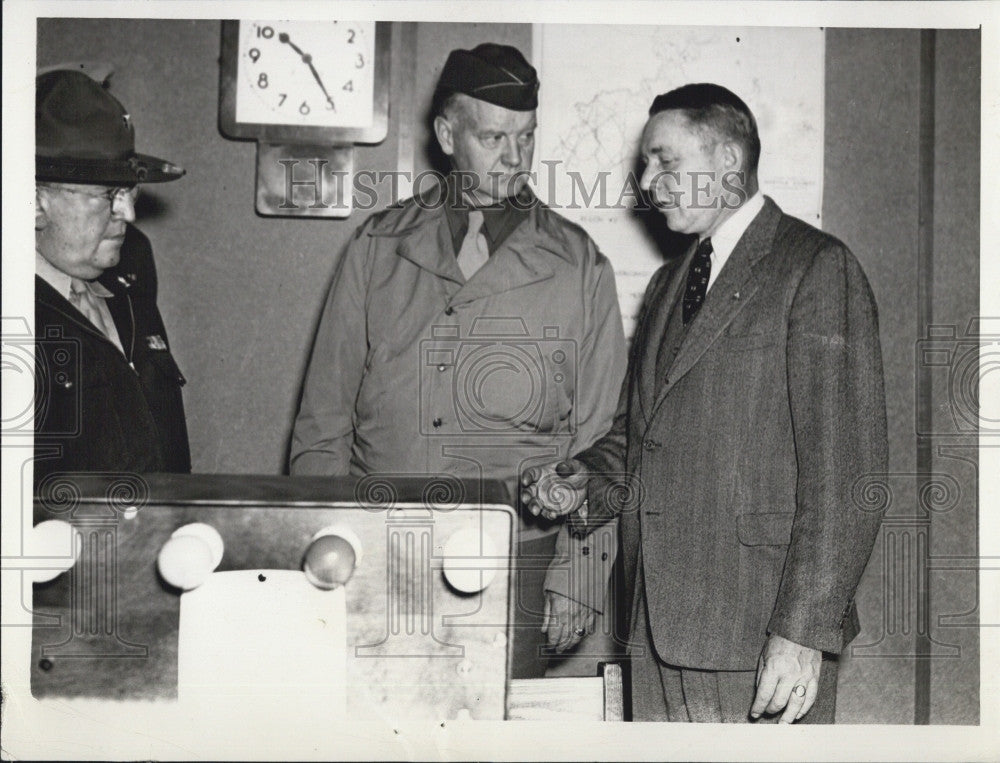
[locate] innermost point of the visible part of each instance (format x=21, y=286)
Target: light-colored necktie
x=84, y=300
x=474, y=251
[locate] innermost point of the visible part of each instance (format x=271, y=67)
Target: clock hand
x=283, y=37
x=307, y=60
x=320, y=83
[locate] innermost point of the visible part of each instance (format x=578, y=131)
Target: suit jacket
x=745, y=457
x=97, y=409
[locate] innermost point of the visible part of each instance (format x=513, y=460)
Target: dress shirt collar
x=499, y=220
x=725, y=239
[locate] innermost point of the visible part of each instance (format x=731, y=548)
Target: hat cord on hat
x=500, y=84
x=508, y=71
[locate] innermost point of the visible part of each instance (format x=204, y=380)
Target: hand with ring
x=787, y=679
x=565, y=621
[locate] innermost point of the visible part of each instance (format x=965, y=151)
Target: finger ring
x=579, y=631
x=799, y=691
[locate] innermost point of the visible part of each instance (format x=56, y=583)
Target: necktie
x=81, y=297
x=474, y=251
x=697, y=280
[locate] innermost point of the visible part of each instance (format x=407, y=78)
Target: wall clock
x=307, y=91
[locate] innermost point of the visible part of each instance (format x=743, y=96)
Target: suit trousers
x=662, y=692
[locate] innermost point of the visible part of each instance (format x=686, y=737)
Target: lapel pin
x=736, y=295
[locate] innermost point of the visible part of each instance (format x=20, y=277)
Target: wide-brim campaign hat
x=83, y=134
x=497, y=74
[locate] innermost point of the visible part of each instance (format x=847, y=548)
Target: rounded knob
x=208, y=534
x=469, y=560
x=58, y=543
x=190, y=556
x=331, y=558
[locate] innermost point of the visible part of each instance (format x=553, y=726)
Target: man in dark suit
x=107, y=387
x=752, y=406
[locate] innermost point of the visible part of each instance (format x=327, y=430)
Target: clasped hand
x=554, y=490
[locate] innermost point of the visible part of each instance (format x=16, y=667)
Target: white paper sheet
x=277, y=639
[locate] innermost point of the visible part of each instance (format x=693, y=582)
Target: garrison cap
x=497, y=74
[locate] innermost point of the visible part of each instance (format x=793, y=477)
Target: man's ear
x=41, y=210
x=732, y=155
x=445, y=132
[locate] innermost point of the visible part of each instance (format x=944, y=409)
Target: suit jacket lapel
x=736, y=284
x=48, y=296
x=656, y=326
x=122, y=313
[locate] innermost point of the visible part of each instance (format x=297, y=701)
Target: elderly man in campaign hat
x=472, y=331
x=109, y=389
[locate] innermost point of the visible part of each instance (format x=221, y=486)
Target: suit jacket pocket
x=769, y=529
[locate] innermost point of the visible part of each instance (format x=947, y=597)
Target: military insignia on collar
x=156, y=342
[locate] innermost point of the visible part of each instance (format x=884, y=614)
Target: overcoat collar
x=424, y=238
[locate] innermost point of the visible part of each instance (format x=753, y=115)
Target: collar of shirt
x=63, y=283
x=499, y=220
x=725, y=239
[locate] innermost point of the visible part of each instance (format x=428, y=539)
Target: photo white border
x=31, y=731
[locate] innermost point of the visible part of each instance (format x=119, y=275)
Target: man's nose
x=511, y=154
x=123, y=207
x=646, y=181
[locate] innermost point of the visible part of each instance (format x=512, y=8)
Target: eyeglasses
x=111, y=195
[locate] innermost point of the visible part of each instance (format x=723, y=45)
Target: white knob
x=190, y=556
x=56, y=544
x=470, y=559
x=208, y=534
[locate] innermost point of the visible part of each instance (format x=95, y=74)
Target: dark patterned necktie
x=697, y=280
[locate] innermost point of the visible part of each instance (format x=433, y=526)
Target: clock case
x=299, y=134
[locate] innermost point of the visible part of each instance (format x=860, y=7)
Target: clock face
x=307, y=73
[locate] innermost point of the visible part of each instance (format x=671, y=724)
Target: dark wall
x=241, y=293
